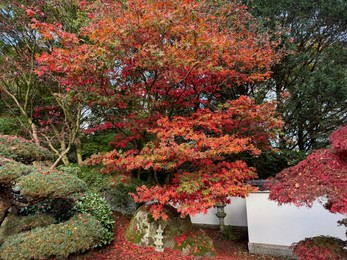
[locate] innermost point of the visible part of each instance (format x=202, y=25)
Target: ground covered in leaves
x=232, y=248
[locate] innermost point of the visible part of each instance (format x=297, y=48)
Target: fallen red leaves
x=122, y=249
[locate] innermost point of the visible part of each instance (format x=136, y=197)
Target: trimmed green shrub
x=11, y=170
x=25, y=223
x=51, y=185
x=76, y=235
x=22, y=150
x=320, y=248
x=95, y=205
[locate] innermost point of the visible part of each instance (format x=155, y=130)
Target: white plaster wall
x=269, y=223
x=236, y=214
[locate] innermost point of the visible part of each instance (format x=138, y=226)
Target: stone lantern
x=221, y=215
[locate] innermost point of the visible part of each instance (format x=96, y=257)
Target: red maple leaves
x=323, y=175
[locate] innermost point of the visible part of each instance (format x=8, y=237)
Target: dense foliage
x=141, y=63
x=313, y=77
x=323, y=176
x=141, y=60
x=96, y=206
x=25, y=98
x=36, y=207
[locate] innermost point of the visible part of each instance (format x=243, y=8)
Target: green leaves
x=97, y=207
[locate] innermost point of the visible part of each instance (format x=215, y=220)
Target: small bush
x=7, y=126
x=76, y=235
x=95, y=205
x=320, y=248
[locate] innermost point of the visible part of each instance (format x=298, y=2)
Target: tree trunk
x=301, y=141
x=34, y=131
x=64, y=151
x=279, y=99
x=78, y=150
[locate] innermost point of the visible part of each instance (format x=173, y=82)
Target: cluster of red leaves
x=322, y=175
x=99, y=128
x=320, y=248
x=47, y=115
x=338, y=141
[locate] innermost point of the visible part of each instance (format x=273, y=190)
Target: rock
x=142, y=228
x=195, y=243
x=123, y=204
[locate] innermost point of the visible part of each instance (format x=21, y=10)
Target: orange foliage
x=197, y=156
x=145, y=58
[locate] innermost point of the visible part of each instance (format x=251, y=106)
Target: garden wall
x=272, y=228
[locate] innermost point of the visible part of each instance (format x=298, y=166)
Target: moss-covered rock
x=76, y=235
x=195, y=243
x=143, y=227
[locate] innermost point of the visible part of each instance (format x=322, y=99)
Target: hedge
x=78, y=234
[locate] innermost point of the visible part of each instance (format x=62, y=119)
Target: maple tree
x=193, y=162
x=322, y=175
x=155, y=71
x=138, y=60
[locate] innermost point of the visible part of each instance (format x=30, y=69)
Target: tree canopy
x=313, y=75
